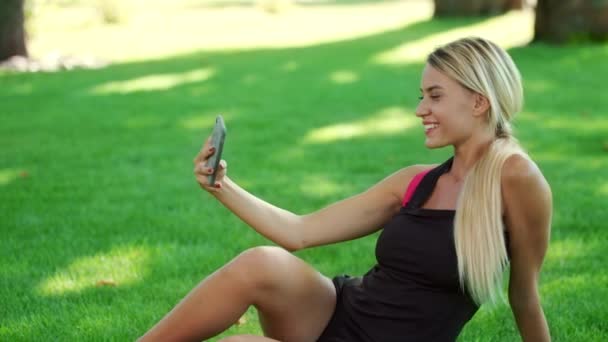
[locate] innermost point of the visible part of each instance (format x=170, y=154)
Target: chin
x=434, y=144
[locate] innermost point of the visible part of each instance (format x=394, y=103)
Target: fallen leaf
x=241, y=321
x=105, y=282
x=24, y=174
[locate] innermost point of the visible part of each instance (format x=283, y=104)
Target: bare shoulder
x=525, y=191
x=412, y=170
x=398, y=181
x=520, y=175
x=407, y=173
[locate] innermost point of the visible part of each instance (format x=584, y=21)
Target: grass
x=96, y=183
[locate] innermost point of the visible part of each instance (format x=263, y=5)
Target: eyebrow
x=431, y=88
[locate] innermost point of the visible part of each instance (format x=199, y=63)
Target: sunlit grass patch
x=167, y=28
x=519, y=32
x=386, y=122
x=604, y=189
x=154, y=82
x=122, y=266
x=8, y=176
x=344, y=77
x=104, y=229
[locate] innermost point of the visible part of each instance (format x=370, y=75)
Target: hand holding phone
x=217, y=142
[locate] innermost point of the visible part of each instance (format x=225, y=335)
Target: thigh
x=247, y=338
x=295, y=302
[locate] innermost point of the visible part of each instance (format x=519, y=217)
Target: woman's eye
x=433, y=97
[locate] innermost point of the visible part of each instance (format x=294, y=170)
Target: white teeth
x=430, y=126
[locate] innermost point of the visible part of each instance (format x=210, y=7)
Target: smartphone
x=217, y=140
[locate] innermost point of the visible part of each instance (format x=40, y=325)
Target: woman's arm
x=348, y=219
x=528, y=209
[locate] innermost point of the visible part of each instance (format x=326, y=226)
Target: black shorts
x=334, y=331
x=343, y=280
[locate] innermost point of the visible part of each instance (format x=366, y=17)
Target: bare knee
x=247, y=338
x=261, y=266
x=264, y=255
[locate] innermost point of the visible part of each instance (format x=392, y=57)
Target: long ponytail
x=479, y=233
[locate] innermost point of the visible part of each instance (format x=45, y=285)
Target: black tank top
x=413, y=293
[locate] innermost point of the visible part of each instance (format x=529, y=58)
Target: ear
x=481, y=105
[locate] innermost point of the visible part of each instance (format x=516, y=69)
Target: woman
x=444, y=245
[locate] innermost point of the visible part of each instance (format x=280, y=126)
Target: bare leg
x=247, y=338
x=210, y=308
x=294, y=301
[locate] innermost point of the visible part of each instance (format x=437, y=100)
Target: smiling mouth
x=430, y=127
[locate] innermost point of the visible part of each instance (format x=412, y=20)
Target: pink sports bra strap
x=412, y=186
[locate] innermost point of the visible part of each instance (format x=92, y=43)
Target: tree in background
x=12, y=31
x=445, y=8
x=561, y=21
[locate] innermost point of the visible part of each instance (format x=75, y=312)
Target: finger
x=221, y=173
x=204, y=155
x=202, y=182
x=223, y=164
x=198, y=158
x=205, y=146
x=202, y=169
x=206, y=143
x=222, y=170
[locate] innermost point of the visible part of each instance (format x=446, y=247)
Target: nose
x=422, y=109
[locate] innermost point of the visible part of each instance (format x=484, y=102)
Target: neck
x=466, y=155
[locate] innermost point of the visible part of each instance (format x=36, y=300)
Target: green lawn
x=96, y=175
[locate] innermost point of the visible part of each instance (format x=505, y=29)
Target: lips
x=429, y=127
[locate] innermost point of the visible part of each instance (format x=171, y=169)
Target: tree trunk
x=12, y=31
x=516, y=4
x=562, y=21
x=447, y=8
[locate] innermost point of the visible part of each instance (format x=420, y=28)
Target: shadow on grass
x=109, y=156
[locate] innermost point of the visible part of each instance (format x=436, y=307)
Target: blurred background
x=104, y=104
x=130, y=29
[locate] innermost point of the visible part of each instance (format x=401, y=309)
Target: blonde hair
x=479, y=233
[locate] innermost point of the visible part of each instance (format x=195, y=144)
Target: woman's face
x=447, y=109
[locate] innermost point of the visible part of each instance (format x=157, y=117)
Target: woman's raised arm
x=348, y=219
